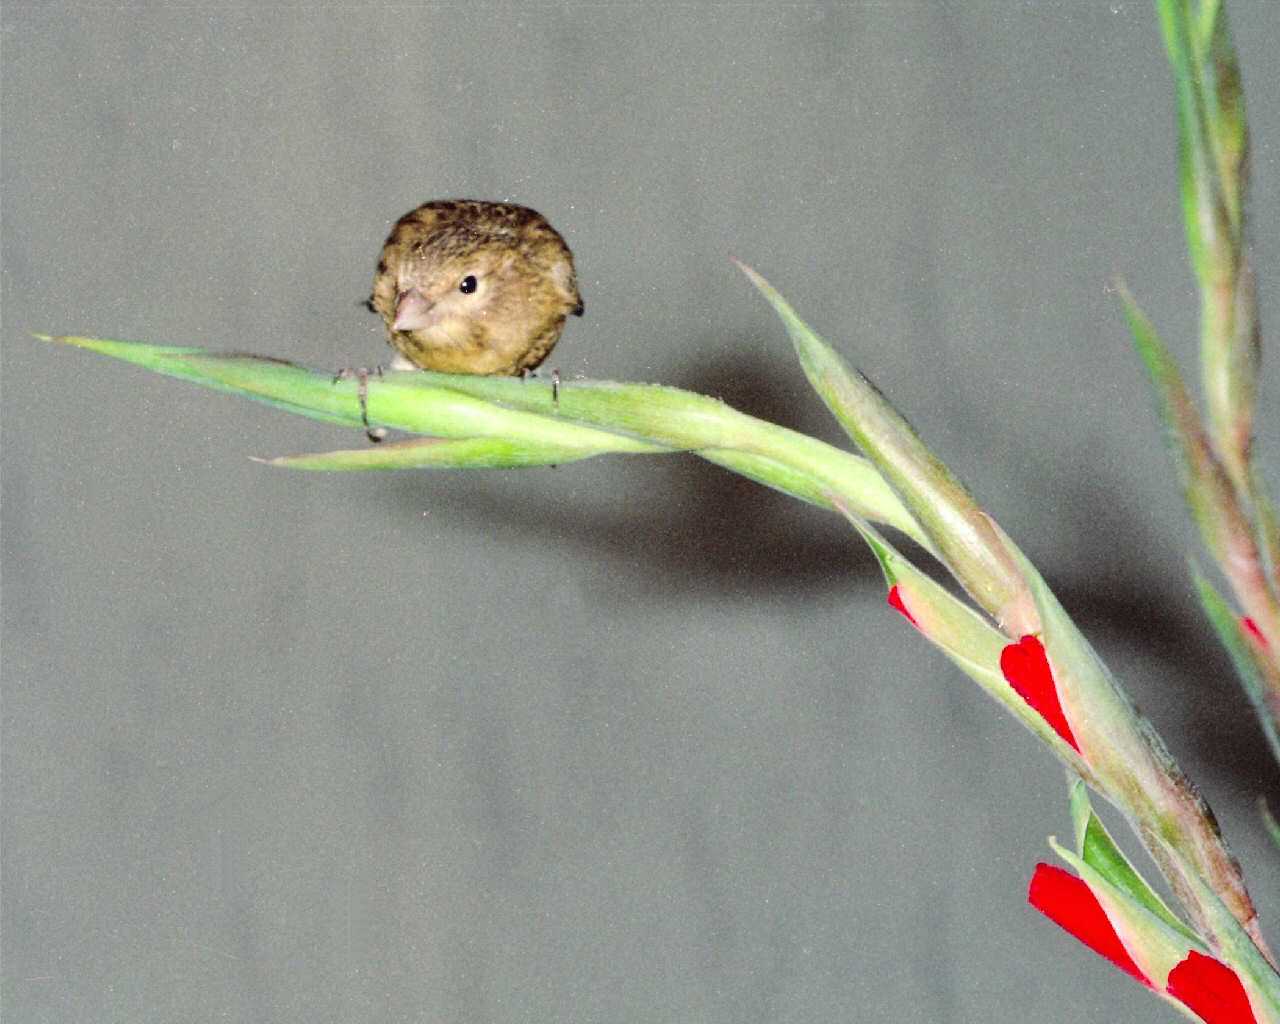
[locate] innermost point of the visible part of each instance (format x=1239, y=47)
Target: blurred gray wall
x=630, y=739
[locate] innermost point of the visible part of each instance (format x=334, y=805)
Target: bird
x=469, y=286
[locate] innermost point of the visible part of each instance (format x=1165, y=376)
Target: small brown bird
x=466, y=286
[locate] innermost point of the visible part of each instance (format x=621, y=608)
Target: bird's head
x=489, y=279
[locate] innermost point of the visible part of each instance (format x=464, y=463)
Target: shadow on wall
x=684, y=528
x=685, y=525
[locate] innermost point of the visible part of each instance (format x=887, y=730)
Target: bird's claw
x=361, y=375
x=555, y=383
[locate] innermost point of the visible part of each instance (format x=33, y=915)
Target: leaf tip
x=752, y=274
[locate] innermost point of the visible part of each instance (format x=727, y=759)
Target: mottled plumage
x=472, y=287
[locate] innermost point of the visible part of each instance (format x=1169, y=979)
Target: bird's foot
x=555, y=383
x=361, y=375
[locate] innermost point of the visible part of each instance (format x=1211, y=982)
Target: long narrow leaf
x=1194, y=170
x=1096, y=847
x=958, y=528
x=964, y=636
x=526, y=423
x=1248, y=665
x=1154, y=945
x=436, y=453
x=1208, y=491
x=791, y=462
x=1136, y=771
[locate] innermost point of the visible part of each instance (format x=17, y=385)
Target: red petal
x=1070, y=904
x=1211, y=989
x=895, y=601
x=1251, y=628
x=1026, y=668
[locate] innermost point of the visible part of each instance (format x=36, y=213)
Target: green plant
x=1011, y=636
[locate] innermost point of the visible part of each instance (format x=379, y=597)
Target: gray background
x=629, y=739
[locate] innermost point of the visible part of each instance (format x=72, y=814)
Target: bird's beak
x=413, y=311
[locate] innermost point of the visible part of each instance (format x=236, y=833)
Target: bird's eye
x=468, y=284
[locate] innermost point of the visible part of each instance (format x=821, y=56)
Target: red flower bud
x=1252, y=629
x=1026, y=668
x=1070, y=904
x=895, y=601
x=1211, y=989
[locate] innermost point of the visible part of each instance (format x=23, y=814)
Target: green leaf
x=1096, y=847
x=958, y=528
x=1154, y=946
x=1226, y=623
x=964, y=636
x=1269, y=820
x=1268, y=520
x=1133, y=768
x=527, y=424
x=1209, y=493
x=1213, y=140
x=794, y=463
x=281, y=384
x=404, y=401
x=1224, y=110
x=1194, y=165
x=435, y=453
x=1213, y=148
